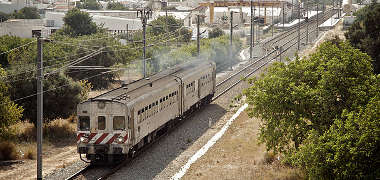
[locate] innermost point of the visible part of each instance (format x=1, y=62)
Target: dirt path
x=239, y=156
x=56, y=158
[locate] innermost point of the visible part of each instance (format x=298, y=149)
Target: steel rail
x=76, y=174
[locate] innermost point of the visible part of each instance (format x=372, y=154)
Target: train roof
x=135, y=89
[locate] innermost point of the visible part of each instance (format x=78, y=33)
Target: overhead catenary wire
x=16, y=48
x=51, y=89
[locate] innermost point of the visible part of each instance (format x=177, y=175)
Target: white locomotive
x=121, y=121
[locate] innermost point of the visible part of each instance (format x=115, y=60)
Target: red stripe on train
x=79, y=136
x=125, y=138
x=91, y=136
x=113, y=138
x=101, y=138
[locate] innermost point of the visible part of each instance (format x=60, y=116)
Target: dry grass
x=23, y=137
x=8, y=151
x=59, y=129
x=269, y=157
x=30, y=153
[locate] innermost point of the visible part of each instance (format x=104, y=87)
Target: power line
x=6, y=52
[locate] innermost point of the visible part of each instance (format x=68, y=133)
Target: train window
x=150, y=106
x=156, y=102
x=84, y=123
x=161, y=100
x=101, y=123
x=146, y=108
x=166, y=97
x=170, y=95
x=118, y=122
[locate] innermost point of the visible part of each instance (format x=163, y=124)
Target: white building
x=25, y=28
x=108, y=22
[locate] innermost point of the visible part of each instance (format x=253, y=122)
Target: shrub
x=30, y=153
x=60, y=99
x=10, y=113
x=8, y=151
x=216, y=32
x=59, y=129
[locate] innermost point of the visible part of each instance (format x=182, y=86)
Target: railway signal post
x=144, y=15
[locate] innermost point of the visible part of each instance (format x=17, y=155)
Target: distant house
x=26, y=28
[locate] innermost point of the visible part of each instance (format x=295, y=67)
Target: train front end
x=103, y=134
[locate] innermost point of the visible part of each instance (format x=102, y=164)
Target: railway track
x=286, y=40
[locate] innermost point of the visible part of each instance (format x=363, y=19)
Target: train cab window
x=84, y=123
x=101, y=123
x=118, y=122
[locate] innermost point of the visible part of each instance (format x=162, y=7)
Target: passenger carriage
x=123, y=120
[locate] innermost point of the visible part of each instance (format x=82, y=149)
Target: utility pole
x=283, y=15
x=258, y=25
x=127, y=34
x=280, y=52
x=40, y=106
x=198, y=36
x=231, y=33
x=144, y=14
x=299, y=26
x=291, y=16
x=272, y=21
x=251, y=38
x=317, y=22
x=307, y=22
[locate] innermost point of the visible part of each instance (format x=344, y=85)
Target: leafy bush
x=314, y=111
x=8, y=151
x=60, y=99
x=89, y=4
x=348, y=150
x=116, y=6
x=163, y=25
x=10, y=113
x=216, y=32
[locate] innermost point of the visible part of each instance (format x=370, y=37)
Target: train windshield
x=118, y=122
x=84, y=123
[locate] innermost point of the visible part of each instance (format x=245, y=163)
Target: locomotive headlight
x=83, y=139
x=119, y=140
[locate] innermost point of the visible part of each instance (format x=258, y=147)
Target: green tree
x=364, y=33
x=216, y=32
x=60, y=99
x=348, y=150
x=163, y=25
x=89, y=4
x=10, y=42
x=10, y=113
x=78, y=23
x=309, y=94
x=116, y=6
x=26, y=13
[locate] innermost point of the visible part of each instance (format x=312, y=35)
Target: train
x=120, y=122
